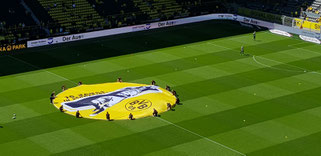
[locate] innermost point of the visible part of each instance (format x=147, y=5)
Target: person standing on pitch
x=63, y=88
x=168, y=88
x=155, y=113
x=61, y=108
x=242, y=51
x=169, y=106
x=108, y=116
x=130, y=116
x=52, y=97
x=78, y=114
x=254, y=35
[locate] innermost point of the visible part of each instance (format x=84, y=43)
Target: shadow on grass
x=99, y=48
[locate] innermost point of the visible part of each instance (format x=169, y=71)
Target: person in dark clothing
x=52, y=97
x=79, y=83
x=174, y=92
x=130, y=116
x=254, y=35
x=155, y=113
x=169, y=106
x=168, y=88
x=108, y=116
x=177, y=100
x=63, y=88
x=153, y=82
x=242, y=51
x=78, y=114
x=119, y=79
x=61, y=108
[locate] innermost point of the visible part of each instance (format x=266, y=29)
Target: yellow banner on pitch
x=118, y=99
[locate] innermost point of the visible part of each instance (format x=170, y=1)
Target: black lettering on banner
x=72, y=97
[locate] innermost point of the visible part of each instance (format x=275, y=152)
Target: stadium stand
x=159, y=9
x=34, y=19
x=42, y=15
x=312, y=12
x=316, y=5
x=16, y=24
x=289, y=7
x=73, y=15
x=118, y=12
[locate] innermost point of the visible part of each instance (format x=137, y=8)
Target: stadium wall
x=307, y=35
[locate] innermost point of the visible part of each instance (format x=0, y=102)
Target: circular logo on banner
x=118, y=99
x=138, y=105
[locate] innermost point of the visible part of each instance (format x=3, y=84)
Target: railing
x=260, y=15
x=301, y=24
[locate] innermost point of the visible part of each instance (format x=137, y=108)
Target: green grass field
x=266, y=103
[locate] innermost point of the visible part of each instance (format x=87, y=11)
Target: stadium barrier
x=303, y=24
x=162, y=24
x=274, y=18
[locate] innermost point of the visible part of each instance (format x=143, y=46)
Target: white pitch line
x=203, y=137
x=283, y=63
x=304, y=70
x=221, y=46
x=42, y=69
x=290, y=45
x=157, y=118
x=314, y=72
x=262, y=64
x=309, y=50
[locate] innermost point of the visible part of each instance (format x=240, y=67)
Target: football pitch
x=267, y=102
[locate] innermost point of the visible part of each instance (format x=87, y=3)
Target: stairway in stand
x=72, y=15
x=159, y=8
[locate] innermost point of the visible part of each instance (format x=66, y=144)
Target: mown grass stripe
x=239, y=79
x=124, y=69
x=222, y=121
x=308, y=145
x=135, y=73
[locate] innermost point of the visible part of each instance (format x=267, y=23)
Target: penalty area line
x=203, y=137
x=303, y=70
x=226, y=147
x=31, y=65
x=268, y=66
